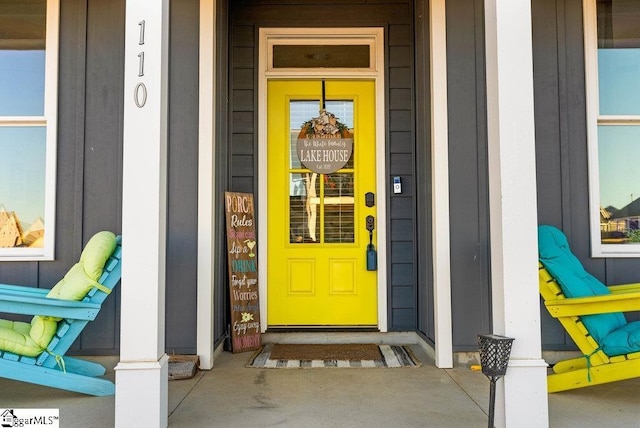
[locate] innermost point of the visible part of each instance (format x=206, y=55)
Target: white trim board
x=205, y=331
x=48, y=121
x=440, y=183
x=598, y=249
x=374, y=37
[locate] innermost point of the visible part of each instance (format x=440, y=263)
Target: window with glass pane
x=321, y=206
x=618, y=132
x=27, y=127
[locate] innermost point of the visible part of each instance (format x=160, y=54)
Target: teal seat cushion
x=556, y=256
x=624, y=340
x=75, y=285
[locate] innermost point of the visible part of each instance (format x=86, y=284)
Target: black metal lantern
x=494, y=357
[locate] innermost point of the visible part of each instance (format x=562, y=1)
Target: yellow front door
x=317, y=236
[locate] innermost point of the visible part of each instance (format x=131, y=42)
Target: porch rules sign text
x=243, y=271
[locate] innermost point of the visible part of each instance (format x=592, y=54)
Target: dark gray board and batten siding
x=561, y=146
x=89, y=163
x=90, y=152
x=468, y=174
x=396, y=17
x=561, y=159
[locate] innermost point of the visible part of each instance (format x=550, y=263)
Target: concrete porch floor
x=232, y=395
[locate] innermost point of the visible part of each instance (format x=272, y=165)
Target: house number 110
x=140, y=91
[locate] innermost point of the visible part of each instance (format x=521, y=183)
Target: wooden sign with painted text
x=243, y=271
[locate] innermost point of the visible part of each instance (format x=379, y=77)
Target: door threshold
x=335, y=337
x=322, y=329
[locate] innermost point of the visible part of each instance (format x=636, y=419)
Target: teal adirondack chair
x=35, y=352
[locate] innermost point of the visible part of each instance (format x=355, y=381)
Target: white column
x=521, y=399
x=142, y=373
x=206, y=188
x=440, y=176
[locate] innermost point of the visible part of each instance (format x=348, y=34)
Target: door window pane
x=304, y=209
x=321, y=206
x=299, y=113
x=343, y=111
x=338, y=208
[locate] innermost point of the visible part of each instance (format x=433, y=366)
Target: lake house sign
x=324, y=144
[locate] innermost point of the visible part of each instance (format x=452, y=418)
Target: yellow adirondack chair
x=591, y=314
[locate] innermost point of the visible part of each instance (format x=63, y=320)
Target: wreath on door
x=326, y=125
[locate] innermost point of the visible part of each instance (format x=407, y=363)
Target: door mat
x=332, y=355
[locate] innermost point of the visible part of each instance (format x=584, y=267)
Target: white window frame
x=49, y=120
x=598, y=249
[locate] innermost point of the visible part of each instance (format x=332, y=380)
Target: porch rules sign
x=243, y=271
